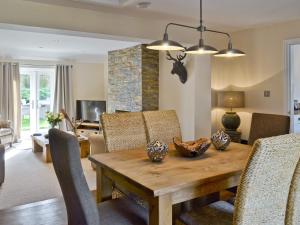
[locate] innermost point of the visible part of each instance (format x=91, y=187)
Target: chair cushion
x=5, y=124
x=5, y=131
x=218, y=213
x=122, y=211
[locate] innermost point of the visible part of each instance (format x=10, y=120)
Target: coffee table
x=41, y=144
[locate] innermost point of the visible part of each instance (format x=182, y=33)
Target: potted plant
x=54, y=118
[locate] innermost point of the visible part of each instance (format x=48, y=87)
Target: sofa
x=6, y=133
x=2, y=164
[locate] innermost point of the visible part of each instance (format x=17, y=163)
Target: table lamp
x=231, y=99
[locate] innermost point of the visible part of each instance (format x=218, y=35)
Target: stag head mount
x=178, y=66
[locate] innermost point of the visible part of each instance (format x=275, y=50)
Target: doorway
x=292, y=65
x=37, y=91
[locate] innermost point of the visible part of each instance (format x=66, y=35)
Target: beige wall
x=190, y=100
x=88, y=81
x=262, y=69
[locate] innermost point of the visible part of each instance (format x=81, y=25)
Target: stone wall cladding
x=150, y=79
x=133, y=79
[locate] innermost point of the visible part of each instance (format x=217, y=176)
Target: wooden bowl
x=192, y=148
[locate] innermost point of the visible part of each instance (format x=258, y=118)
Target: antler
x=169, y=57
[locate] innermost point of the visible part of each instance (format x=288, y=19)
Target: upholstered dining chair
x=81, y=207
x=293, y=207
x=263, y=190
x=123, y=131
x=268, y=125
x=162, y=125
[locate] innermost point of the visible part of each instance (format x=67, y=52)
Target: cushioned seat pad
x=218, y=213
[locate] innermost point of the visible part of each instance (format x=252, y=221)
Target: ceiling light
x=200, y=49
x=230, y=52
x=165, y=44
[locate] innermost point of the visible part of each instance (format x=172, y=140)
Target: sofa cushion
x=5, y=131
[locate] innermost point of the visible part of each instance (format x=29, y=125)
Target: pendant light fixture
x=165, y=44
x=230, y=52
x=200, y=48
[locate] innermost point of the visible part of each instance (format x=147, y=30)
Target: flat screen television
x=90, y=111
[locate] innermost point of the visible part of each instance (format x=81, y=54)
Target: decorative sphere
x=220, y=140
x=157, y=151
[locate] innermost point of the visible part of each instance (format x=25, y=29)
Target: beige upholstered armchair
x=6, y=132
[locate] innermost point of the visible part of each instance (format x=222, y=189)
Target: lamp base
x=231, y=121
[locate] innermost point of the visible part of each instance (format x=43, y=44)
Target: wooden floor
x=49, y=212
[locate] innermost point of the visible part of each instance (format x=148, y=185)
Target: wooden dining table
x=175, y=180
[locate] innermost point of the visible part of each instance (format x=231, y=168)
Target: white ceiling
x=232, y=15
x=25, y=45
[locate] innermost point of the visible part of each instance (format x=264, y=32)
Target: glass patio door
x=37, y=88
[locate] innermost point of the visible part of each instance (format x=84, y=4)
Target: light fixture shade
x=201, y=49
x=165, y=45
x=230, y=52
x=231, y=99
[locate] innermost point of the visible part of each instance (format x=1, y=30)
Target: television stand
x=87, y=128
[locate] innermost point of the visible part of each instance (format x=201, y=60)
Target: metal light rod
x=179, y=25
x=201, y=48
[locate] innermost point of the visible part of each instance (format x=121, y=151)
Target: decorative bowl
x=157, y=151
x=220, y=140
x=192, y=148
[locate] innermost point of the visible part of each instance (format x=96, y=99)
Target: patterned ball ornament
x=157, y=151
x=220, y=140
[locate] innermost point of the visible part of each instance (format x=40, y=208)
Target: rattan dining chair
x=263, y=190
x=162, y=125
x=81, y=207
x=123, y=131
x=293, y=207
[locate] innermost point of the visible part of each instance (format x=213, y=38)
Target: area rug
x=28, y=179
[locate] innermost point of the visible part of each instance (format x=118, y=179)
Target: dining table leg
x=104, y=186
x=160, y=211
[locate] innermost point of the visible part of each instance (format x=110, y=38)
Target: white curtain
x=63, y=94
x=10, y=103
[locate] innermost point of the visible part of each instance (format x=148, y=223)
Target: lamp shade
x=231, y=99
x=230, y=52
x=165, y=45
x=201, y=49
